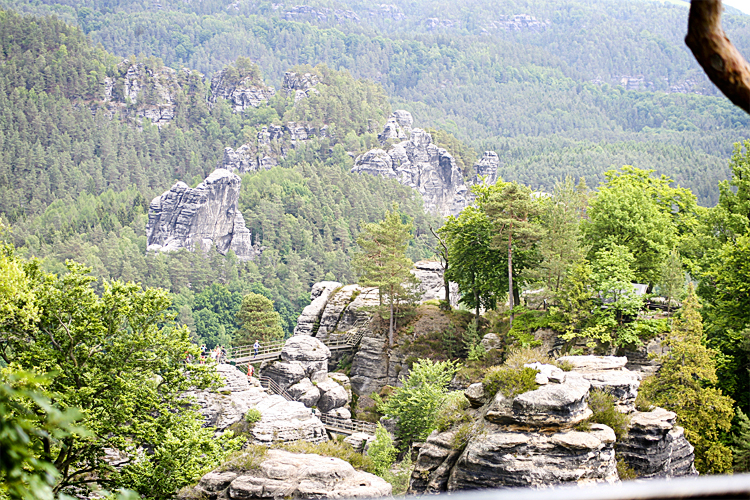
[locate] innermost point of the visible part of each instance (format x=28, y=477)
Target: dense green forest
x=545, y=95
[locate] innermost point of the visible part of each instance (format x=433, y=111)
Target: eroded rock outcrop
x=281, y=420
x=486, y=168
x=608, y=373
x=419, y=163
x=241, y=93
x=656, y=447
x=535, y=438
x=283, y=474
x=204, y=216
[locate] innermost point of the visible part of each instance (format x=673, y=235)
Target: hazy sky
x=743, y=5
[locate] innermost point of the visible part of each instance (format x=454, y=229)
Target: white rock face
x=431, y=284
x=608, y=373
x=206, y=216
x=242, y=94
x=291, y=475
x=281, y=420
x=486, y=168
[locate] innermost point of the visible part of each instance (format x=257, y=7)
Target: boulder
x=435, y=460
x=550, y=373
x=608, y=373
x=290, y=475
x=369, y=371
x=552, y=405
x=309, y=320
x=305, y=392
x=475, y=394
x=656, y=447
x=285, y=373
x=344, y=382
x=341, y=413
x=504, y=458
x=206, y=216
x=310, y=353
x=491, y=341
x=332, y=396
x=359, y=441
x=283, y=421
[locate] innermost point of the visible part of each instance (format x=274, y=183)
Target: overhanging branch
x=721, y=61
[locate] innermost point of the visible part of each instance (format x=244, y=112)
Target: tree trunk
x=510, y=274
x=390, y=326
x=447, y=285
x=476, y=302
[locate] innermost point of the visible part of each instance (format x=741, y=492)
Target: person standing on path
x=256, y=346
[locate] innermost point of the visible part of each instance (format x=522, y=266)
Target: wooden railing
x=348, y=425
x=273, y=387
x=245, y=351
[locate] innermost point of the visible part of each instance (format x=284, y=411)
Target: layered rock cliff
x=419, y=163
x=537, y=438
x=241, y=93
x=204, y=216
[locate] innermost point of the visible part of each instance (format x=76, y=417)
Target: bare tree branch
x=723, y=63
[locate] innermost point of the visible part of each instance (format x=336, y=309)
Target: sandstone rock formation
x=656, y=447
x=244, y=93
x=283, y=474
x=206, y=215
x=398, y=126
x=486, y=168
x=309, y=320
x=146, y=91
x=431, y=284
x=303, y=373
x=281, y=420
x=608, y=373
x=419, y=163
x=299, y=85
x=534, y=438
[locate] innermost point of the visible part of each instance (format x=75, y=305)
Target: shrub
x=400, y=475
x=510, y=381
x=253, y=415
x=452, y=412
x=417, y=403
x=337, y=449
x=625, y=472
x=461, y=437
x=603, y=405
x=381, y=451
x=245, y=460
x=522, y=355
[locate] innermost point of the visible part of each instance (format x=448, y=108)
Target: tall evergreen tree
x=383, y=262
x=684, y=385
x=512, y=210
x=258, y=321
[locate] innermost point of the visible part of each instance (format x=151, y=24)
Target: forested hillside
x=555, y=89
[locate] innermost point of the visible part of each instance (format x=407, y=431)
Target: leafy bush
x=336, y=449
x=399, y=476
x=603, y=405
x=416, y=405
x=510, y=381
x=245, y=460
x=253, y=415
x=523, y=355
x=453, y=411
x=381, y=451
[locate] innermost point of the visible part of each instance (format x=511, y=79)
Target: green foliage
x=453, y=411
x=602, y=405
x=510, y=381
x=381, y=451
x=253, y=415
x=383, y=263
x=525, y=323
x=465, y=156
x=671, y=278
x=401, y=476
x=258, y=321
x=417, y=404
x=119, y=358
x=512, y=211
x=624, y=471
x=684, y=385
x=741, y=443
x=23, y=473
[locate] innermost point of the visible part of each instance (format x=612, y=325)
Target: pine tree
x=511, y=211
x=683, y=385
x=741, y=443
x=258, y=321
x=383, y=262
